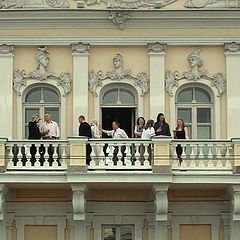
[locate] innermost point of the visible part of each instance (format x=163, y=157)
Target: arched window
x=39, y=100
x=195, y=106
x=118, y=96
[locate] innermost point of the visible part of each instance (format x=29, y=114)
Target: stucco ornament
x=41, y=73
x=232, y=47
x=130, y=4
x=157, y=47
x=118, y=74
x=211, y=4
x=80, y=48
x=119, y=18
x=6, y=49
x=194, y=75
x=34, y=4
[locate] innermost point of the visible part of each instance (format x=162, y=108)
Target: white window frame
x=194, y=106
x=20, y=108
x=205, y=84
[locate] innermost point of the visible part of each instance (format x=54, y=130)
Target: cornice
x=116, y=40
x=94, y=19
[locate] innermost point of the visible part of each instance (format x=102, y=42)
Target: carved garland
x=41, y=74
x=118, y=74
x=194, y=75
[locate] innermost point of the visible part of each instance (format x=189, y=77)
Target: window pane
x=185, y=95
x=34, y=95
x=126, y=97
x=29, y=112
x=54, y=113
x=109, y=233
x=111, y=97
x=185, y=114
x=126, y=234
x=202, y=95
x=49, y=95
x=189, y=128
x=204, y=115
x=204, y=132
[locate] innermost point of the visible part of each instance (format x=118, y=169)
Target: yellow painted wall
x=213, y=61
x=40, y=232
x=199, y=232
x=60, y=60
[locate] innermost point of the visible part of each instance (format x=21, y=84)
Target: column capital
x=232, y=48
x=157, y=48
x=80, y=49
x=6, y=50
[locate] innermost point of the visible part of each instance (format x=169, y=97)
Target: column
x=80, y=83
x=6, y=91
x=3, y=193
x=232, y=52
x=157, y=78
x=226, y=219
x=79, y=205
x=161, y=211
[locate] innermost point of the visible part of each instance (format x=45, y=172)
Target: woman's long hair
x=158, y=117
x=149, y=124
x=139, y=120
x=183, y=124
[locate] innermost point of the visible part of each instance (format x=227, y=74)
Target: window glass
x=126, y=97
x=186, y=95
x=109, y=233
x=204, y=115
x=189, y=128
x=29, y=112
x=49, y=95
x=185, y=114
x=126, y=233
x=202, y=95
x=111, y=97
x=204, y=132
x=34, y=95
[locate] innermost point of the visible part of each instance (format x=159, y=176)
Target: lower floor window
x=118, y=232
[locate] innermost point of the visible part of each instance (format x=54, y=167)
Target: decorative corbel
x=232, y=47
x=157, y=47
x=80, y=48
x=6, y=49
x=79, y=201
x=119, y=18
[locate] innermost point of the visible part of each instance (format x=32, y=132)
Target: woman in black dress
x=181, y=132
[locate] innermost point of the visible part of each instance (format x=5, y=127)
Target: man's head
x=81, y=119
x=47, y=117
x=115, y=125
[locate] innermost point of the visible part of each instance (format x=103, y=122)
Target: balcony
x=157, y=155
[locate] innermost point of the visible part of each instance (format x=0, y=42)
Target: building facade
x=119, y=60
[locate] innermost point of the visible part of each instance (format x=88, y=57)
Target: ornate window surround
x=205, y=84
x=110, y=84
x=20, y=100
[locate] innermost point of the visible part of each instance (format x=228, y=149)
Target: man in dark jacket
x=85, y=131
x=161, y=127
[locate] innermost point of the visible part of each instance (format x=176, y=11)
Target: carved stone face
x=193, y=61
x=43, y=60
x=117, y=61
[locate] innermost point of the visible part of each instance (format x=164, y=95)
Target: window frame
x=118, y=230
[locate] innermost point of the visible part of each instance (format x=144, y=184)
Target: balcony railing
x=156, y=155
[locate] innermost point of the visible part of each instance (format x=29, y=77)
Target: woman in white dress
x=96, y=134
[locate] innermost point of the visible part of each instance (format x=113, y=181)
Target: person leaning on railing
x=161, y=127
x=181, y=132
x=138, y=133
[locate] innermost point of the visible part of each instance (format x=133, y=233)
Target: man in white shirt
x=50, y=129
x=116, y=133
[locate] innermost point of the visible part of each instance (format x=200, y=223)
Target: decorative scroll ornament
x=80, y=47
x=34, y=4
x=211, y=4
x=6, y=49
x=118, y=74
x=157, y=47
x=41, y=74
x=232, y=47
x=194, y=74
x=119, y=18
x=130, y=4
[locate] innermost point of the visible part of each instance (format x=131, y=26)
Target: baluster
x=93, y=154
x=55, y=155
x=46, y=156
x=19, y=156
x=109, y=160
x=127, y=159
x=147, y=153
x=219, y=156
x=174, y=156
x=37, y=156
x=210, y=156
x=28, y=155
x=137, y=150
x=120, y=155
x=228, y=163
x=101, y=155
x=11, y=156
x=64, y=155
x=192, y=155
x=184, y=156
x=201, y=156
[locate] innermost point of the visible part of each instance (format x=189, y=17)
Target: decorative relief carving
x=6, y=49
x=119, y=18
x=157, y=47
x=118, y=74
x=41, y=74
x=34, y=4
x=211, y=4
x=194, y=74
x=232, y=47
x=130, y=4
x=80, y=47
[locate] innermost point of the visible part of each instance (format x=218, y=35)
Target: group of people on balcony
x=49, y=130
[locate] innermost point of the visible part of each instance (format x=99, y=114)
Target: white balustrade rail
x=202, y=155
x=37, y=155
x=121, y=154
